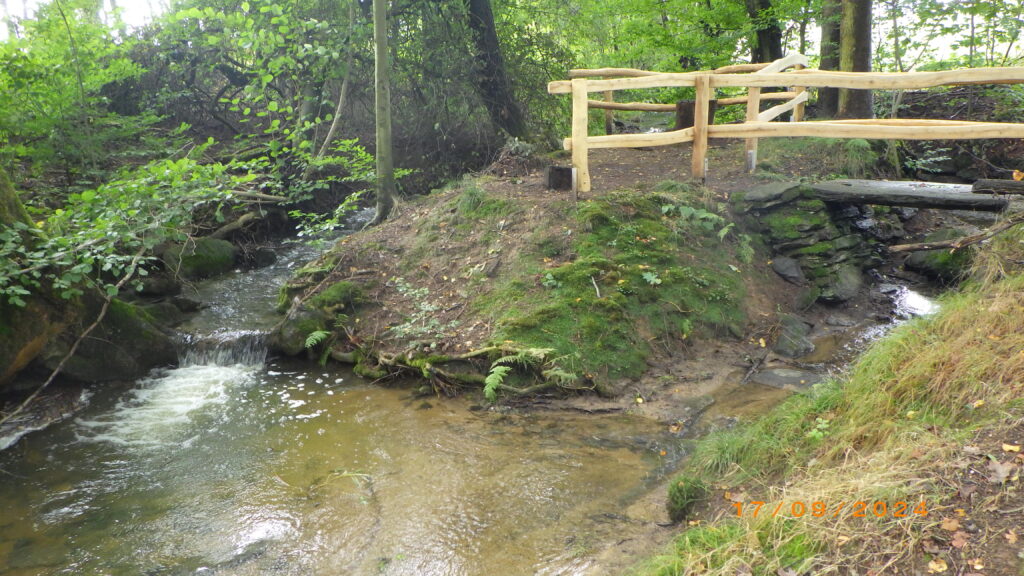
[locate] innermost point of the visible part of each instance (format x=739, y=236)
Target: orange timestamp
x=820, y=509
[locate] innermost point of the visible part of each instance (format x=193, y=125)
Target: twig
x=753, y=367
x=596, y=289
x=74, y=347
x=958, y=243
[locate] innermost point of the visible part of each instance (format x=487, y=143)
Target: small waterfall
x=225, y=348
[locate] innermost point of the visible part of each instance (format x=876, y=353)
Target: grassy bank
x=893, y=430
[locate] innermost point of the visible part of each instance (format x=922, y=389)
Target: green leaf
x=272, y=106
x=245, y=6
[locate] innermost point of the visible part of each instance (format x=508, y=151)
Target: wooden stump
x=559, y=177
x=684, y=113
x=998, y=187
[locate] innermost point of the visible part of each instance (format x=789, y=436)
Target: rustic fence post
x=753, y=109
x=580, y=118
x=700, y=125
x=798, y=112
x=609, y=114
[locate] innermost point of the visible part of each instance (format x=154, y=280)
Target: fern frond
x=316, y=337
x=494, y=380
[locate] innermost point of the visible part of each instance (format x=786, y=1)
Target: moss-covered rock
x=290, y=337
x=338, y=296
x=201, y=258
x=942, y=265
x=126, y=345
x=25, y=331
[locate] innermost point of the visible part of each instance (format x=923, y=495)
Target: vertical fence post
x=609, y=115
x=701, y=104
x=753, y=109
x=580, y=117
x=798, y=112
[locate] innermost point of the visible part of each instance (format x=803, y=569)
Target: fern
x=494, y=380
x=316, y=337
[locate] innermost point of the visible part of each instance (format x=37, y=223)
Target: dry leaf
x=999, y=472
x=842, y=540
x=976, y=563
x=1018, y=175
x=937, y=565
x=950, y=524
x=967, y=489
x=931, y=546
x=1011, y=537
x=1011, y=447
x=960, y=512
x=972, y=450
x=959, y=539
x=786, y=572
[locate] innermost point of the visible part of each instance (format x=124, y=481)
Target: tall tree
x=767, y=45
x=831, y=13
x=855, y=56
x=491, y=78
x=382, y=89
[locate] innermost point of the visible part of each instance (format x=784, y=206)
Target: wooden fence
x=789, y=73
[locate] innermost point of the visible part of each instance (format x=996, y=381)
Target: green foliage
x=95, y=238
x=422, y=321
x=494, y=380
x=316, y=337
x=683, y=493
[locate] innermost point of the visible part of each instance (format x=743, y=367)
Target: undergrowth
x=911, y=400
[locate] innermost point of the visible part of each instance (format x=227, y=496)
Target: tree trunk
x=385, y=160
x=855, y=56
x=828, y=98
x=491, y=78
x=767, y=45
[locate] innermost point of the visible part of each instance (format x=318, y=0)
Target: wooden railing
x=788, y=73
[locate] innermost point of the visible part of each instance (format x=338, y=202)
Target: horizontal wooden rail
x=765, y=96
x=776, y=111
x=871, y=129
x=637, y=106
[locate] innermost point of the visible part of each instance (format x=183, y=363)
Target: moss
x=201, y=259
x=339, y=295
x=683, y=493
x=368, y=370
x=815, y=249
x=941, y=264
x=792, y=224
x=11, y=208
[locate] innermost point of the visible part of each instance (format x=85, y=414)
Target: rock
x=904, y=213
x=768, y=195
x=940, y=264
x=290, y=338
x=186, y=304
x=792, y=340
x=125, y=346
x=159, y=284
x=840, y=320
x=844, y=284
x=262, y=257
x=789, y=269
x=202, y=258
x=25, y=331
x=786, y=378
x=166, y=313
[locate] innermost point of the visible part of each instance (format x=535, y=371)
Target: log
x=913, y=194
x=958, y=243
x=984, y=186
x=684, y=113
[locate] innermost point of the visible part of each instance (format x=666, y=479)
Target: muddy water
x=230, y=465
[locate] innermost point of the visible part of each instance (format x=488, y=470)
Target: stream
x=229, y=464
x=232, y=464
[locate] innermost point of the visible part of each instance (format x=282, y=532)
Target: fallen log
x=958, y=243
x=985, y=186
x=913, y=194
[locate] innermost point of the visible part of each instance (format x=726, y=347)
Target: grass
x=850, y=158
x=879, y=433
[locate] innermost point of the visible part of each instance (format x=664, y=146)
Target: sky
x=133, y=12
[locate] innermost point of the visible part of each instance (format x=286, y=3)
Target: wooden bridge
x=789, y=73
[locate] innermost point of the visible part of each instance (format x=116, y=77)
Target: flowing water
x=231, y=465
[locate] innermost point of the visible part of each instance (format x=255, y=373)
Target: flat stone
x=769, y=192
x=844, y=284
x=789, y=270
x=840, y=320
x=786, y=378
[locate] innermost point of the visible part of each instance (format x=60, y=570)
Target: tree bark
x=767, y=45
x=382, y=85
x=855, y=56
x=828, y=98
x=491, y=77
x=913, y=194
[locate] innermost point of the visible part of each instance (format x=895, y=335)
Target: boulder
x=842, y=285
x=792, y=341
x=789, y=270
x=201, y=258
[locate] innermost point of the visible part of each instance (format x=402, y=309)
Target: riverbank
x=925, y=430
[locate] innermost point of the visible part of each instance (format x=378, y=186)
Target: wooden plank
x=877, y=129
x=987, y=186
x=580, y=119
x=767, y=96
x=636, y=140
x=700, y=127
x=609, y=73
x=776, y=111
x=798, y=112
x=788, y=61
x=637, y=106
x=740, y=68
x=913, y=194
